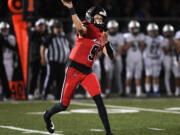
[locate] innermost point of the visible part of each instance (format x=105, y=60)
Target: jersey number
x=154, y=49
x=93, y=52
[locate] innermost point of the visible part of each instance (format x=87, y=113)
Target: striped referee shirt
x=57, y=48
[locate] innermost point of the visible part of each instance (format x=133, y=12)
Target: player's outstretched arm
x=78, y=24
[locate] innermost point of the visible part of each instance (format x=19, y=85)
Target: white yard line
x=125, y=107
x=96, y=130
x=156, y=129
x=27, y=130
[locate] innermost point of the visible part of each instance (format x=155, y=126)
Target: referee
x=54, y=54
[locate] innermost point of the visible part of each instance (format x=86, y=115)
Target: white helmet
x=152, y=26
x=112, y=24
x=133, y=24
x=4, y=28
x=168, y=28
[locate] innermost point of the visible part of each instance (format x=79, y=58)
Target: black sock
x=102, y=112
x=55, y=109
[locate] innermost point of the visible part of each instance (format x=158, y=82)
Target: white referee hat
x=40, y=21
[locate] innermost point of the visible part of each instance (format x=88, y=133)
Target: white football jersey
x=8, y=53
x=134, y=50
x=153, y=47
x=177, y=35
x=116, y=41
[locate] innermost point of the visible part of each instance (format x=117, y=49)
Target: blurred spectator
x=144, y=10
x=129, y=8
x=111, y=8
x=54, y=53
x=116, y=8
x=166, y=8
x=98, y=3
x=35, y=40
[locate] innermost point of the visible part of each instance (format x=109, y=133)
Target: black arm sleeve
x=109, y=50
x=46, y=40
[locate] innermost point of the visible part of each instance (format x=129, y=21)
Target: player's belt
x=81, y=68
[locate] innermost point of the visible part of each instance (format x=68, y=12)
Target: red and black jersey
x=86, y=48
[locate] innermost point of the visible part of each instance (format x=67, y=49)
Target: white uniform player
x=176, y=62
x=170, y=53
x=134, y=42
x=153, y=57
x=114, y=68
x=7, y=52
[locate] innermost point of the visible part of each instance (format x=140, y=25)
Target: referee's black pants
x=55, y=72
x=4, y=80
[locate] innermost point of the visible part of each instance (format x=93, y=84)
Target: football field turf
x=127, y=117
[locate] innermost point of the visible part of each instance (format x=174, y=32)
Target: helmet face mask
x=135, y=30
x=168, y=34
x=91, y=16
x=153, y=33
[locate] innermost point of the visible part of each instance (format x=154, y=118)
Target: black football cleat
x=49, y=123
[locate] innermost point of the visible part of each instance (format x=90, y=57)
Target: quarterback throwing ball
x=91, y=39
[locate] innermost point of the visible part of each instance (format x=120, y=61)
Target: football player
x=114, y=68
x=134, y=44
x=8, y=52
x=176, y=60
x=170, y=52
x=7, y=48
x=153, y=56
x=91, y=39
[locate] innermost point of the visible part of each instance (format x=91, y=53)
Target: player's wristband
x=72, y=11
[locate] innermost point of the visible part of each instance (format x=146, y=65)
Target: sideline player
x=114, y=68
x=153, y=57
x=169, y=47
x=134, y=45
x=91, y=39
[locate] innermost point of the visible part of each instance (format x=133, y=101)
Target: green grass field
x=127, y=117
